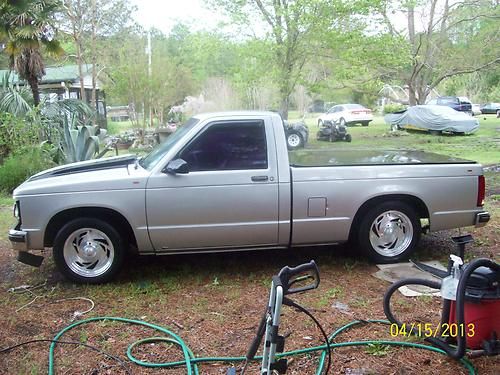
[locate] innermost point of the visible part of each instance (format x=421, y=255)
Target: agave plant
x=81, y=142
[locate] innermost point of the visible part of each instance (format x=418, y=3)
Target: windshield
x=159, y=151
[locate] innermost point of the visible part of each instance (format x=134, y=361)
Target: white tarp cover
x=433, y=117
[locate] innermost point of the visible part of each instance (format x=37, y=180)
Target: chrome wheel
x=88, y=252
x=294, y=140
x=391, y=233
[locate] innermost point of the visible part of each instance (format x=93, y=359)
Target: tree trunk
x=79, y=61
x=33, y=82
x=94, y=57
x=412, y=97
x=284, y=107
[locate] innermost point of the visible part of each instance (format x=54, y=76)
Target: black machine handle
x=292, y=275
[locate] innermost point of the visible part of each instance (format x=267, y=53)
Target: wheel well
x=110, y=216
x=419, y=206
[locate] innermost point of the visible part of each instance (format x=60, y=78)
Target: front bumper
x=481, y=219
x=19, y=242
x=18, y=239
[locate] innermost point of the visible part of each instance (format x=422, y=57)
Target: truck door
x=229, y=197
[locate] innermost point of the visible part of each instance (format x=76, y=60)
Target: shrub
x=391, y=108
x=15, y=133
x=20, y=165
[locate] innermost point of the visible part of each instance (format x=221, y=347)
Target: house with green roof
x=63, y=82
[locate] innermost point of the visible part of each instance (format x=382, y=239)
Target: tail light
x=481, y=190
x=360, y=111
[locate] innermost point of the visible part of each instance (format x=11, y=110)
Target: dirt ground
x=214, y=302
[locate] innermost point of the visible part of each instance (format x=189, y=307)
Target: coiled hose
x=190, y=362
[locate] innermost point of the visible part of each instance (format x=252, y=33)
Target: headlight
x=16, y=209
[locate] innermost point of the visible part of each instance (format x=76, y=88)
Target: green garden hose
x=191, y=362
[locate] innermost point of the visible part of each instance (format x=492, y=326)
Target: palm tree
x=26, y=29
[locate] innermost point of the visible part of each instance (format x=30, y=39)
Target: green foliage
x=15, y=133
x=15, y=100
x=21, y=165
x=391, y=108
x=378, y=350
x=27, y=28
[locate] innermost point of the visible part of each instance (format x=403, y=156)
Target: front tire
x=389, y=232
x=294, y=141
x=88, y=251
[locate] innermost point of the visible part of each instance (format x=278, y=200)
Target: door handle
x=259, y=178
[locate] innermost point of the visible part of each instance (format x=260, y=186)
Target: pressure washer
x=470, y=318
x=287, y=281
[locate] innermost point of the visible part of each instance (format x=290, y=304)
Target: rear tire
x=348, y=138
x=88, y=250
x=342, y=122
x=294, y=140
x=365, y=123
x=389, y=232
x=320, y=123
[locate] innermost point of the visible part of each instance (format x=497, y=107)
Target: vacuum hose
x=459, y=351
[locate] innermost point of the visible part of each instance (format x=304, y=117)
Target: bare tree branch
x=463, y=71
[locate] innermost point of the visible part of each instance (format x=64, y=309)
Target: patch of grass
x=6, y=200
x=7, y=220
x=84, y=336
x=360, y=302
x=29, y=365
x=330, y=294
x=377, y=350
x=350, y=265
x=424, y=299
x=117, y=127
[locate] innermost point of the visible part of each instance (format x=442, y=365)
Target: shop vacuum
x=470, y=320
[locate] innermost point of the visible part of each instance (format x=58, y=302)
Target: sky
x=164, y=14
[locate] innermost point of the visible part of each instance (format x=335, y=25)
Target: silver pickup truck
x=225, y=182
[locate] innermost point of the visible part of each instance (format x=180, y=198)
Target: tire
x=320, y=123
x=342, y=122
x=365, y=123
x=398, y=240
x=348, y=138
x=294, y=141
x=104, y=246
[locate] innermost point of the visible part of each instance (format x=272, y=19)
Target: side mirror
x=176, y=166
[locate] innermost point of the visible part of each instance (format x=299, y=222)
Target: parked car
x=225, y=182
x=297, y=134
x=347, y=114
x=490, y=108
x=433, y=118
x=476, y=109
x=458, y=103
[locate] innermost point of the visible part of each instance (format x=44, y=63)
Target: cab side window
x=228, y=146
